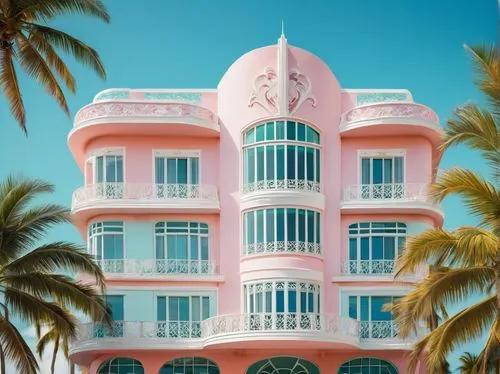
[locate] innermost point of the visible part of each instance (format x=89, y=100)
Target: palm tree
x=464, y=261
x=32, y=287
x=27, y=40
x=60, y=341
x=468, y=363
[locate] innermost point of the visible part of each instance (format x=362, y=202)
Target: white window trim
x=345, y=292
x=176, y=153
x=212, y=294
x=260, y=281
x=91, y=160
x=209, y=236
x=382, y=153
x=124, y=236
x=370, y=235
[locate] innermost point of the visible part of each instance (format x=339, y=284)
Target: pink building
x=252, y=228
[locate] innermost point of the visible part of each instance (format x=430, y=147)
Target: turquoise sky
x=413, y=44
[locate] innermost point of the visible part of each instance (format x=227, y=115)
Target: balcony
x=368, y=267
x=391, y=119
x=377, y=334
x=92, y=338
x=262, y=330
x=103, y=198
x=282, y=191
x=410, y=198
x=282, y=247
x=186, y=270
x=142, y=113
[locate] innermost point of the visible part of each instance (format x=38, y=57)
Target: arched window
x=121, y=365
x=367, y=366
x=281, y=230
x=373, y=247
x=190, y=365
x=281, y=154
x=182, y=247
x=283, y=365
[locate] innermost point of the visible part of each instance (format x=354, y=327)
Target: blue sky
x=413, y=44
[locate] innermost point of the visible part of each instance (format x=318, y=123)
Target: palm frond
x=16, y=349
x=29, y=227
x=16, y=193
x=54, y=256
x=69, y=44
x=34, y=310
x=47, y=338
x=67, y=292
x=53, y=60
x=466, y=246
x=480, y=196
x=47, y=9
x=10, y=87
x=35, y=65
x=467, y=325
x=487, y=66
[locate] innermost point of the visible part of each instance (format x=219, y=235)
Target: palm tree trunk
x=2, y=361
x=71, y=368
x=54, y=356
x=497, y=271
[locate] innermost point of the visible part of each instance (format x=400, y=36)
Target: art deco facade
x=252, y=228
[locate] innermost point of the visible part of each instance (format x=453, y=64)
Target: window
x=281, y=230
x=283, y=364
x=182, y=247
x=375, y=322
x=177, y=177
x=281, y=154
x=121, y=365
x=367, y=366
x=180, y=316
x=190, y=365
x=116, y=306
x=373, y=247
x=105, y=242
x=107, y=175
x=382, y=177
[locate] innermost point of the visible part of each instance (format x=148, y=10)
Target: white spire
x=282, y=72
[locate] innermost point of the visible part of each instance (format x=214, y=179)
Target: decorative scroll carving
x=299, y=91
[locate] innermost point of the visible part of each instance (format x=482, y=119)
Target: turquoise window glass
x=177, y=170
x=385, y=170
x=293, y=155
x=367, y=366
x=105, y=240
x=109, y=169
x=283, y=365
x=190, y=365
x=121, y=365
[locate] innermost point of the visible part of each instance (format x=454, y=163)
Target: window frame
x=379, y=153
x=90, y=237
x=177, y=153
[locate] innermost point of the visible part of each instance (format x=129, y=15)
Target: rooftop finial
x=282, y=28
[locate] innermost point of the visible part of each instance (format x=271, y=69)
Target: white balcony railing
x=387, y=191
x=392, y=110
x=282, y=184
x=378, y=330
x=282, y=247
x=157, y=267
x=279, y=322
x=139, y=329
x=144, y=192
x=368, y=267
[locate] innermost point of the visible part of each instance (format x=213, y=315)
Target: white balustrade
x=282, y=184
x=157, y=266
x=125, y=108
x=139, y=329
x=390, y=110
x=282, y=246
x=378, y=330
x=144, y=192
x=303, y=322
x=387, y=191
x=367, y=267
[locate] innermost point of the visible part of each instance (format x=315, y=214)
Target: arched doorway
x=190, y=365
x=121, y=365
x=367, y=365
x=283, y=365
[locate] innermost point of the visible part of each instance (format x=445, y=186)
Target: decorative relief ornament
x=265, y=91
x=299, y=91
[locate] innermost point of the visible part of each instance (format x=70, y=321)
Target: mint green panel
x=414, y=228
x=139, y=240
x=139, y=305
